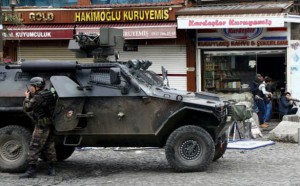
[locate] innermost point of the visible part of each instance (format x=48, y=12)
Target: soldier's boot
x=30, y=172
x=51, y=169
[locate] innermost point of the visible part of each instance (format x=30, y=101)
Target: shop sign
x=31, y=16
x=138, y=33
x=258, y=43
x=242, y=37
x=122, y=15
x=41, y=16
x=251, y=22
x=7, y=16
x=36, y=35
x=242, y=33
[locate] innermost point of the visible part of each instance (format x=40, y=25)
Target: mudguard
x=69, y=104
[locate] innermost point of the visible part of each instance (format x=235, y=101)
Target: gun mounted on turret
x=97, y=46
x=63, y=66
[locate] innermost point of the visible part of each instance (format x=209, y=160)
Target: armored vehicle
x=112, y=104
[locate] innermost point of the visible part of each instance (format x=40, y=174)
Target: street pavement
x=277, y=164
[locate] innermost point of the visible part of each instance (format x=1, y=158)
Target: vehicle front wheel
x=14, y=148
x=190, y=148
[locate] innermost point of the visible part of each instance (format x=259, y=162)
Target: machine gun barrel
x=96, y=65
x=45, y=66
x=61, y=66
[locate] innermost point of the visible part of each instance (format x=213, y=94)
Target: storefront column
x=191, y=60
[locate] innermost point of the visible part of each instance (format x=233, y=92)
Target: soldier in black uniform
x=40, y=102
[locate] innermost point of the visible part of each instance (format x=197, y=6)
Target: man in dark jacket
x=254, y=90
x=286, y=104
x=39, y=102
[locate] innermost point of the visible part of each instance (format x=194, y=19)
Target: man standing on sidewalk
x=262, y=98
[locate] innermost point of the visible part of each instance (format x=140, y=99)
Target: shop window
x=5, y=3
x=226, y=72
x=53, y=3
x=94, y=2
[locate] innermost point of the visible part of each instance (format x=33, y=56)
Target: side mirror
x=115, y=76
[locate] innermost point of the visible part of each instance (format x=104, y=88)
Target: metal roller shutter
x=49, y=53
x=172, y=57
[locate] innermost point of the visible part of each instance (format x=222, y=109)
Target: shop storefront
x=149, y=33
x=232, y=48
x=231, y=57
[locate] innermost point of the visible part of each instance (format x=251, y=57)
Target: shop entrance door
x=274, y=66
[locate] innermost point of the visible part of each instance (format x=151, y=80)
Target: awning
x=231, y=21
x=38, y=32
x=238, y=8
x=292, y=18
x=135, y=30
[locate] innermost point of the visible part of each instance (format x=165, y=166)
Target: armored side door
x=69, y=104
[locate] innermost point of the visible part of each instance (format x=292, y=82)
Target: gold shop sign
x=41, y=16
x=122, y=15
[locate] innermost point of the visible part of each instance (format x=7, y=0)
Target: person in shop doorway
x=268, y=101
x=287, y=105
x=261, y=100
x=254, y=90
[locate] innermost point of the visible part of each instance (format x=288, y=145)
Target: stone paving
x=277, y=164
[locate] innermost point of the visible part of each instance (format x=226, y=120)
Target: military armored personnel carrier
x=112, y=104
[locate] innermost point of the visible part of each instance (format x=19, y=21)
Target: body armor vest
x=47, y=106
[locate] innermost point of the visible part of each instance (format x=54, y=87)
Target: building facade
x=234, y=41
x=43, y=31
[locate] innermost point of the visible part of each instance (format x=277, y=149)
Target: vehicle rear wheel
x=221, y=147
x=189, y=148
x=14, y=148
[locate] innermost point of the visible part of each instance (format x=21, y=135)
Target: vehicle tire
x=14, y=148
x=63, y=152
x=221, y=147
x=190, y=148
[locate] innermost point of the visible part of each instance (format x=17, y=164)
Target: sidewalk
x=272, y=124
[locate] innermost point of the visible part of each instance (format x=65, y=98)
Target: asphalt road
x=277, y=164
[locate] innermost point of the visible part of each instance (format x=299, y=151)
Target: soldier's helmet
x=37, y=81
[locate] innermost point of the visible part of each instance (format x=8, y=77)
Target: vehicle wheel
x=14, y=148
x=220, y=147
x=63, y=152
x=190, y=148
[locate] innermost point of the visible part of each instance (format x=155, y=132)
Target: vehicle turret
x=97, y=46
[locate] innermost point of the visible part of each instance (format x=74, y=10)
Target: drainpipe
x=1, y=36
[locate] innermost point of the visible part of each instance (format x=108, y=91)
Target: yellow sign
x=125, y=15
x=41, y=16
